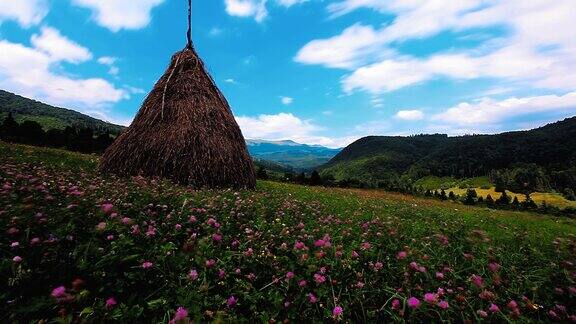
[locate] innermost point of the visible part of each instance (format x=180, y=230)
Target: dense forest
x=525, y=161
x=83, y=140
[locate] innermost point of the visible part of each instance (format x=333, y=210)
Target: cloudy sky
x=314, y=71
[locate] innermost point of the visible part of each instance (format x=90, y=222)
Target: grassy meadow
x=77, y=246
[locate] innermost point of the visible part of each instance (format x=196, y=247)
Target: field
x=77, y=246
x=484, y=188
x=551, y=198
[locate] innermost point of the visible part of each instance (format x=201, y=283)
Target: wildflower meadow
x=76, y=246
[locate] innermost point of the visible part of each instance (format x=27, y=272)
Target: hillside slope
x=49, y=116
x=380, y=158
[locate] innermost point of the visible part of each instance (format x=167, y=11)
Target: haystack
x=184, y=131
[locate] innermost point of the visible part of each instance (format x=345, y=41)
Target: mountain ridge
x=375, y=159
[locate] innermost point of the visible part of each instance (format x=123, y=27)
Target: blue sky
x=314, y=71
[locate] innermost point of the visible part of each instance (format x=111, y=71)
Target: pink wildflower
x=59, y=292
x=110, y=302
x=494, y=308
x=319, y=243
x=443, y=304
x=193, y=274
x=337, y=311
x=232, y=301
x=494, y=267
x=439, y=275
x=289, y=275
x=318, y=278
x=147, y=264
x=477, y=281
x=210, y=263
x=299, y=245
x=181, y=315
x=430, y=298
x=216, y=237
x=401, y=255
x=302, y=283
x=101, y=226
x=378, y=266
x=413, y=302
x=17, y=259
x=107, y=208
x=482, y=313
x=396, y=304
x=312, y=298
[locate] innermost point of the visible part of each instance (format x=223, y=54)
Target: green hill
x=50, y=117
x=383, y=159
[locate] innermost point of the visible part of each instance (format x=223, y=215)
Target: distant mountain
x=378, y=159
x=291, y=154
x=49, y=116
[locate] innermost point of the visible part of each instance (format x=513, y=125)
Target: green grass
x=58, y=197
x=47, y=122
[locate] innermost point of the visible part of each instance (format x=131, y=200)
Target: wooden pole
x=189, y=34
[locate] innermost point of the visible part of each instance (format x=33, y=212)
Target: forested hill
x=376, y=158
x=50, y=117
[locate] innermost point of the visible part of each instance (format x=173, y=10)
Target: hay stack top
x=184, y=131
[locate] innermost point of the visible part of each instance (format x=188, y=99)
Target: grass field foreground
x=78, y=246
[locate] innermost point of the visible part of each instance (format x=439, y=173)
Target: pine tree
x=443, y=195
x=261, y=173
x=471, y=196
x=315, y=179
x=489, y=201
x=516, y=203
x=504, y=199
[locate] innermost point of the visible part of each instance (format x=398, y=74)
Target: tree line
x=29, y=132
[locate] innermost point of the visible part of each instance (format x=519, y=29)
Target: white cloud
x=247, y=8
x=290, y=3
x=58, y=47
x=215, y=31
x=29, y=71
x=231, y=81
x=347, y=50
x=120, y=14
x=410, y=115
x=487, y=111
x=256, y=9
x=110, y=62
x=286, y=126
x=286, y=100
x=26, y=12
x=536, y=50
x=107, y=60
